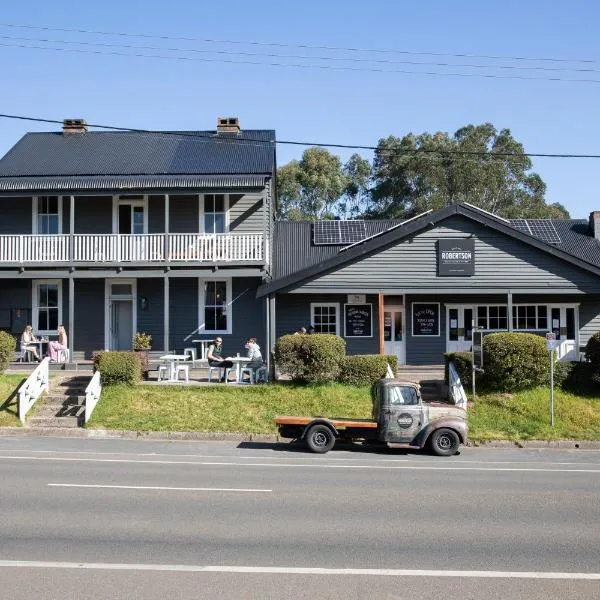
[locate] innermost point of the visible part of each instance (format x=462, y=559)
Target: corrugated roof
x=128, y=182
x=134, y=153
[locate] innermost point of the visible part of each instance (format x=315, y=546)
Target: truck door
x=402, y=415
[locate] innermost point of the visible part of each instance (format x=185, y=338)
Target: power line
x=305, y=46
x=256, y=141
x=302, y=56
x=300, y=66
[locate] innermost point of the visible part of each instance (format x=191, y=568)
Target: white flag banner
x=456, y=389
x=389, y=374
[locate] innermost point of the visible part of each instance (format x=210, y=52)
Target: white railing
x=35, y=385
x=92, y=395
x=115, y=248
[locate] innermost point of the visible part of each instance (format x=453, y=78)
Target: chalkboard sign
x=358, y=320
x=426, y=318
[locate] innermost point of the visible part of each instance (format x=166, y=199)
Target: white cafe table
x=238, y=362
x=173, y=360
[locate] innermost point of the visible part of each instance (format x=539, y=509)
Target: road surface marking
x=313, y=464
x=155, y=487
x=300, y=570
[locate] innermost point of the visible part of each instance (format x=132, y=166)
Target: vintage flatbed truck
x=400, y=420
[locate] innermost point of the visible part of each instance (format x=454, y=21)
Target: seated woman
x=54, y=348
x=256, y=359
x=214, y=356
x=27, y=342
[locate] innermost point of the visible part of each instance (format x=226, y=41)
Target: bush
x=7, y=350
x=463, y=361
x=96, y=355
x=515, y=361
x=592, y=351
x=311, y=358
x=366, y=368
x=119, y=367
x=582, y=379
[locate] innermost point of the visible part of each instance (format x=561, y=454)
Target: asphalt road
x=94, y=519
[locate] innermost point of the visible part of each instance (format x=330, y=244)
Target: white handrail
x=92, y=395
x=35, y=385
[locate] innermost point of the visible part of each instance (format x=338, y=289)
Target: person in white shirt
x=27, y=342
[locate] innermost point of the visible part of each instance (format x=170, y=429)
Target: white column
x=509, y=310
x=167, y=227
x=166, y=313
x=71, y=330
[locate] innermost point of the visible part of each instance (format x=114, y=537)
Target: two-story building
x=109, y=233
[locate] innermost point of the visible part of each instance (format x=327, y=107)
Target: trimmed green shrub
x=582, y=379
x=119, y=367
x=366, y=368
x=463, y=361
x=7, y=350
x=515, y=361
x=311, y=358
x=592, y=351
x=96, y=355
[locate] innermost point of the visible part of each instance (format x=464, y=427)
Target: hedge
x=463, y=361
x=119, y=367
x=592, y=351
x=7, y=350
x=366, y=368
x=312, y=358
x=515, y=361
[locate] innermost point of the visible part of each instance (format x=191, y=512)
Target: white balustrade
x=115, y=248
x=35, y=385
x=92, y=395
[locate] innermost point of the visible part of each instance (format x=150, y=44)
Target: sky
x=356, y=105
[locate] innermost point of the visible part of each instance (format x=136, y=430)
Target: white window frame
x=335, y=305
x=202, y=306
x=35, y=213
x=119, y=199
x=487, y=317
x=201, y=197
x=35, y=294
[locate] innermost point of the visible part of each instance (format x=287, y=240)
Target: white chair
x=185, y=369
x=191, y=352
x=164, y=372
x=26, y=355
x=64, y=355
x=219, y=371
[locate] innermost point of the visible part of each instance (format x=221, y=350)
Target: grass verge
x=9, y=408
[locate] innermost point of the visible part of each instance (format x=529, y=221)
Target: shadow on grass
x=11, y=401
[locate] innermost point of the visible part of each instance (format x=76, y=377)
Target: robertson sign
x=456, y=257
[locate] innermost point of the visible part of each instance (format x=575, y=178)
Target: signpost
x=551, y=344
x=476, y=353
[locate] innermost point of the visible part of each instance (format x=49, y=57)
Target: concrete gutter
x=72, y=432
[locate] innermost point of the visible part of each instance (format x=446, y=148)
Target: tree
x=478, y=165
x=357, y=196
x=310, y=189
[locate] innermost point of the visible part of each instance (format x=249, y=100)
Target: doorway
x=393, y=332
x=120, y=314
x=459, y=336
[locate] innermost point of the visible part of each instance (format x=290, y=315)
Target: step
x=53, y=422
x=54, y=398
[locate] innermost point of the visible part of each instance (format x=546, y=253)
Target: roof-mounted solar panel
x=542, y=229
x=338, y=233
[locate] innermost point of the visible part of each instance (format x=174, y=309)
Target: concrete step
x=54, y=398
x=51, y=421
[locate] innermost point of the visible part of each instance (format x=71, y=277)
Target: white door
x=132, y=225
x=564, y=326
x=393, y=333
x=459, y=328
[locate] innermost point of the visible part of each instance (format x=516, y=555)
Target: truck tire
x=319, y=438
x=444, y=442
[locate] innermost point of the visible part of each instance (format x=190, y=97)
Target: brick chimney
x=595, y=224
x=228, y=125
x=71, y=126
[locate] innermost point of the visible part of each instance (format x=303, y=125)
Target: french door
x=394, y=341
x=459, y=327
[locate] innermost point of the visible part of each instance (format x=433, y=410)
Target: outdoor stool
x=182, y=369
x=251, y=374
x=219, y=371
x=163, y=372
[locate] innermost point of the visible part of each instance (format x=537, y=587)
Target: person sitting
x=214, y=356
x=54, y=348
x=28, y=342
x=256, y=359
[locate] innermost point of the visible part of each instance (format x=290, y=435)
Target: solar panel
x=338, y=233
x=521, y=225
x=542, y=229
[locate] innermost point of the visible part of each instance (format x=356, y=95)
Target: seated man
x=256, y=360
x=214, y=356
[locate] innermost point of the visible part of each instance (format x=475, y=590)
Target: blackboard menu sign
x=426, y=318
x=358, y=320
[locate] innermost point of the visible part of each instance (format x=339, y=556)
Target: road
x=139, y=519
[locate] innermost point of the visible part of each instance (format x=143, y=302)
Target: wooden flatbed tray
x=339, y=423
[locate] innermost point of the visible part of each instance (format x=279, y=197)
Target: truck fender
x=323, y=421
x=457, y=425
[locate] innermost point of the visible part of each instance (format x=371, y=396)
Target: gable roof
x=82, y=161
x=297, y=260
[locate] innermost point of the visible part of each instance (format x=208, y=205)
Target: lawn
x=8, y=400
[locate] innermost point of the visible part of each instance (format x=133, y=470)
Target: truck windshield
x=403, y=395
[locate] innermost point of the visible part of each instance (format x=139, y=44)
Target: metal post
x=473, y=358
x=552, y=387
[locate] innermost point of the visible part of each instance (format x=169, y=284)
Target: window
x=215, y=300
x=403, y=395
x=529, y=316
x=325, y=318
x=214, y=213
x=47, y=306
x=47, y=215
x=492, y=317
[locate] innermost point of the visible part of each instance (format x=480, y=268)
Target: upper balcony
x=135, y=249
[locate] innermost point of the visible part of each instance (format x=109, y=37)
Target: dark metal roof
x=135, y=153
x=129, y=182
x=296, y=259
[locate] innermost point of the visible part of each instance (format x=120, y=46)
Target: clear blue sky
x=320, y=105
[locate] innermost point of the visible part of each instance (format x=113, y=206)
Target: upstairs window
x=48, y=209
x=215, y=211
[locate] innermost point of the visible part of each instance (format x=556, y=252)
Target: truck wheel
x=320, y=439
x=444, y=442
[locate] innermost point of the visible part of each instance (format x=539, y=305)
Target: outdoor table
x=203, y=344
x=173, y=360
x=238, y=362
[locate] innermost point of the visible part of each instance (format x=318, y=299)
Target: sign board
x=457, y=392
x=357, y=298
x=550, y=336
x=426, y=319
x=552, y=345
x=456, y=257
x=358, y=320
x=478, y=348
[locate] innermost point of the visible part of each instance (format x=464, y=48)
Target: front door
x=459, y=328
x=565, y=329
x=121, y=324
x=393, y=333
x=403, y=414
x=131, y=226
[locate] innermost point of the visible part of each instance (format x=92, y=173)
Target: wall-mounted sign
x=456, y=257
x=358, y=320
x=357, y=298
x=426, y=318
